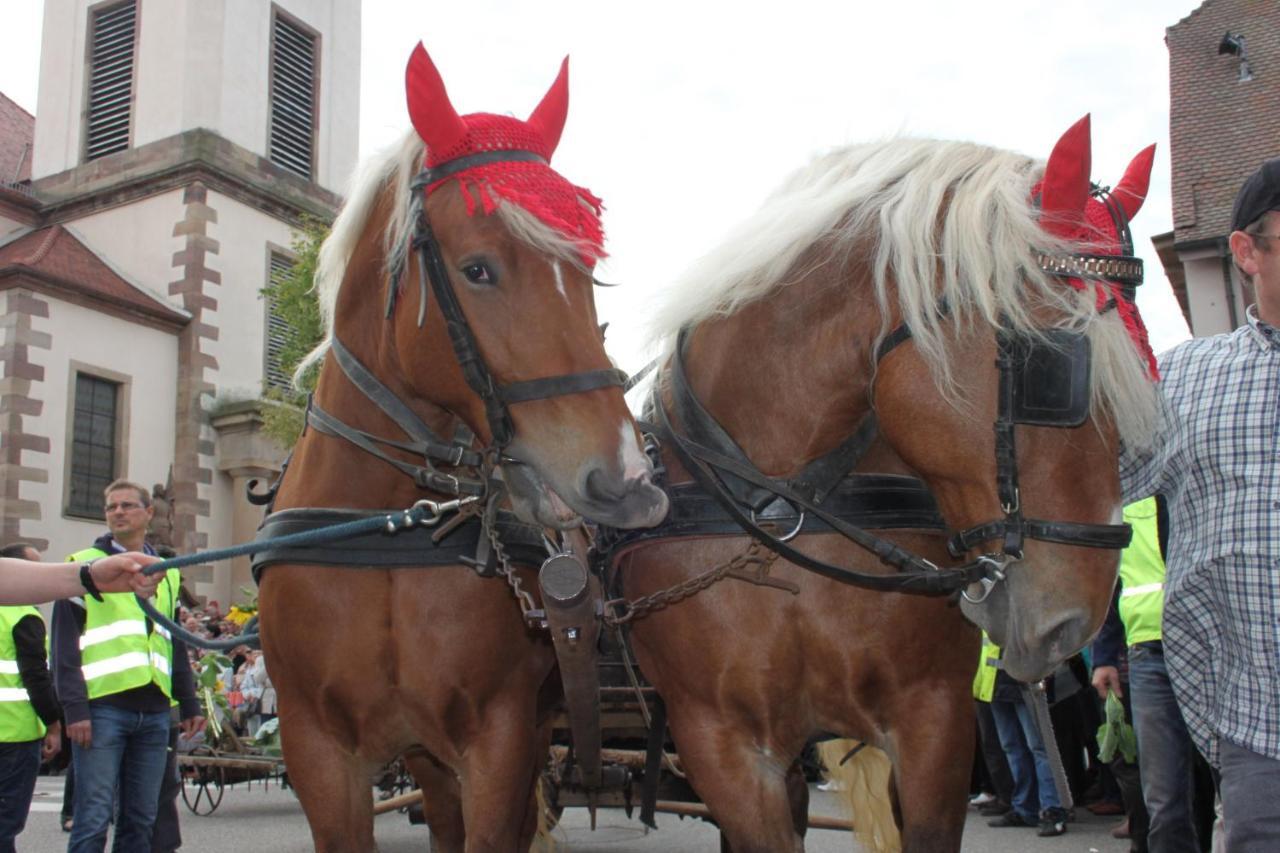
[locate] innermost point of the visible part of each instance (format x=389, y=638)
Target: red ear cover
x=1132, y=189
x=549, y=116
x=432, y=114
x=1065, y=187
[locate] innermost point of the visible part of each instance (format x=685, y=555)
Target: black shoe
x=995, y=809
x=1052, y=822
x=1010, y=818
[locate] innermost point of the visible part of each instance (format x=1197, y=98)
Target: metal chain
x=647, y=604
x=523, y=597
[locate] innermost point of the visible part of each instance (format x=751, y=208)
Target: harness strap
x=1115, y=536
x=448, y=169
x=814, y=482
x=556, y=386
x=424, y=476
x=917, y=575
x=393, y=407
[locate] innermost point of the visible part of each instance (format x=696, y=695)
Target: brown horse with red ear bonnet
x=461, y=296
x=909, y=295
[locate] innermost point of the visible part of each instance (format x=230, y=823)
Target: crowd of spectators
x=248, y=698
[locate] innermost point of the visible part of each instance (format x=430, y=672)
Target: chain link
x=522, y=596
x=752, y=558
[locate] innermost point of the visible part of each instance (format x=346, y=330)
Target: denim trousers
x=127, y=757
x=1250, y=799
x=1033, y=786
x=19, y=765
x=1165, y=753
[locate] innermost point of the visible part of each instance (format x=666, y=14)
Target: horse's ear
x=432, y=114
x=548, y=118
x=1132, y=189
x=1066, y=181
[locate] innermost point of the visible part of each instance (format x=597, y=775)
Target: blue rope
x=425, y=513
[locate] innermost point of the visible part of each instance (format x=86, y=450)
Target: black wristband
x=86, y=580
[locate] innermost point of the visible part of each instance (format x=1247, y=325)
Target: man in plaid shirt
x=1218, y=464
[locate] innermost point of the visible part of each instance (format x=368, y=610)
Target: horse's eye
x=479, y=273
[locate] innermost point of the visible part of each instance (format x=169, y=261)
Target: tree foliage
x=293, y=299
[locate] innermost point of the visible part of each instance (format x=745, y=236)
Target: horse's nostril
x=598, y=487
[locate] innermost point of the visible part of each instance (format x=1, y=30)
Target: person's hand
x=123, y=573
x=81, y=733
x=52, y=741
x=1106, y=679
x=192, y=726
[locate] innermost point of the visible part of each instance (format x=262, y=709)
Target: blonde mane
x=943, y=221
x=397, y=165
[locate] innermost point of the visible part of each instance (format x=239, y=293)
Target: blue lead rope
x=424, y=513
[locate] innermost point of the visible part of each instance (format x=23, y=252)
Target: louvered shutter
x=277, y=328
x=113, y=37
x=293, y=97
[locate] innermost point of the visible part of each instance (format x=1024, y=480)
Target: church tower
x=177, y=145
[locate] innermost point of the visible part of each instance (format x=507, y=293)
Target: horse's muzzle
x=623, y=504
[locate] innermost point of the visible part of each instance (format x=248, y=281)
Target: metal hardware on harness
x=533, y=617
x=435, y=510
x=739, y=567
x=997, y=566
x=795, y=531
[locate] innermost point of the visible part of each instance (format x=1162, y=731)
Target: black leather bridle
x=723, y=470
x=496, y=398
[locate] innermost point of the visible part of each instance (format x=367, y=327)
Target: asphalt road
x=258, y=818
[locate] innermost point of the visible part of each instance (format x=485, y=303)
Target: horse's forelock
x=937, y=219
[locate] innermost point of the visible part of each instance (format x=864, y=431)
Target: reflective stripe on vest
x=117, y=652
x=19, y=722
x=1142, y=575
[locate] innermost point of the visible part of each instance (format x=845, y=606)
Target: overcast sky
x=684, y=115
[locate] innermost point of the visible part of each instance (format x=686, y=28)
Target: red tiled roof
x=54, y=256
x=17, y=132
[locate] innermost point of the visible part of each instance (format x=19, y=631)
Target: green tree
x=291, y=294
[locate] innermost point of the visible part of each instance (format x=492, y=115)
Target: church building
x=176, y=146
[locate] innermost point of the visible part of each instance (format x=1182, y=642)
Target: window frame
x=90, y=13
x=278, y=14
x=124, y=384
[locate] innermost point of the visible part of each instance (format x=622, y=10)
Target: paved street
x=252, y=818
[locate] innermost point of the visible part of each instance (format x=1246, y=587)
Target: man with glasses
x=1218, y=463
x=117, y=674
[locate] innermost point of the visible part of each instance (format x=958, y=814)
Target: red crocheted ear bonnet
x=571, y=211
x=1070, y=209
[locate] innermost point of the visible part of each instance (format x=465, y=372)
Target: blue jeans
x=128, y=755
x=19, y=765
x=1165, y=753
x=1250, y=799
x=1033, y=786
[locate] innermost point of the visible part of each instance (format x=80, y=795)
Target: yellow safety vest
x=19, y=722
x=984, y=680
x=117, y=653
x=1142, y=575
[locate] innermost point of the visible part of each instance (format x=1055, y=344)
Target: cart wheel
x=203, y=794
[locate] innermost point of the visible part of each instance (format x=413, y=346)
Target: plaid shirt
x=1218, y=463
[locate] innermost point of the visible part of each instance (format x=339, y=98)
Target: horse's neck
x=786, y=376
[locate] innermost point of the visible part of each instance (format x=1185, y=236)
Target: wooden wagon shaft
x=633, y=759
x=398, y=802
x=667, y=806
x=230, y=763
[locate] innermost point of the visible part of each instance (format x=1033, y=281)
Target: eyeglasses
x=124, y=506
x=1264, y=236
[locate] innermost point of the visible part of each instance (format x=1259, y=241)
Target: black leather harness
x=1044, y=380
x=469, y=473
